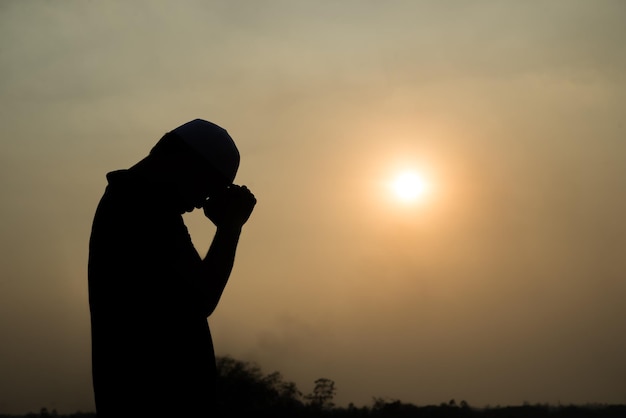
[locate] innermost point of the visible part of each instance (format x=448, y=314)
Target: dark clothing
x=152, y=353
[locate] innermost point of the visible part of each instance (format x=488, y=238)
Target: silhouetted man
x=150, y=292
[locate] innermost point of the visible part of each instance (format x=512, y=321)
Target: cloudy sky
x=503, y=283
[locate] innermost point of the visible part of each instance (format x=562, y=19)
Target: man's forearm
x=218, y=264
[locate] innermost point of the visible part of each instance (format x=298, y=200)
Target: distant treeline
x=246, y=391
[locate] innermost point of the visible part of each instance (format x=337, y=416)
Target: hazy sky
x=504, y=284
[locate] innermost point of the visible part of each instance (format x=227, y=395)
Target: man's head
x=213, y=143
x=201, y=159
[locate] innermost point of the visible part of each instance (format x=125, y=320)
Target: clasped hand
x=230, y=208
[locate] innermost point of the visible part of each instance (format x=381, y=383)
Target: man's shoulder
x=123, y=178
x=126, y=186
x=123, y=198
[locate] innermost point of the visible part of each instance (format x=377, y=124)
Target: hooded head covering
x=213, y=143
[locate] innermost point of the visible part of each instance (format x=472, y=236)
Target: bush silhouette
x=244, y=390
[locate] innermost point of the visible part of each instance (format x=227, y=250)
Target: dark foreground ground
x=398, y=409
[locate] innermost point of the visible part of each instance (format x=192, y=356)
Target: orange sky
x=504, y=285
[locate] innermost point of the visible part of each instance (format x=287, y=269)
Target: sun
x=409, y=186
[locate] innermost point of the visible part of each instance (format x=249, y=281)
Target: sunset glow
x=409, y=186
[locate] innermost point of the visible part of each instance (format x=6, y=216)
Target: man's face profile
x=198, y=181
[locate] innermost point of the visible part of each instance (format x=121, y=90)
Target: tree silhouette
x=323, y=394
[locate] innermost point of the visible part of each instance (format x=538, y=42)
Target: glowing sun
x=409, y=186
